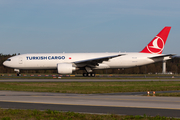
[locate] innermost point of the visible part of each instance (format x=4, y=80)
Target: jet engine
x=65, y=68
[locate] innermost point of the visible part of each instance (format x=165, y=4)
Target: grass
x=16, y=114
x=177, y=94
x=91, y=87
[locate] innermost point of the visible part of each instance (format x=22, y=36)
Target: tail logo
x=156, y=45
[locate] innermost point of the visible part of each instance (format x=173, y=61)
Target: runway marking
x=88, y=105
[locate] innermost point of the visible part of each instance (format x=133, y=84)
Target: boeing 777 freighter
x=66, y=63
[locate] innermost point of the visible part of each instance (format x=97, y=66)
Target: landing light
x=148, y=93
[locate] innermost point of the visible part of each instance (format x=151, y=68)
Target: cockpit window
x=8, y=60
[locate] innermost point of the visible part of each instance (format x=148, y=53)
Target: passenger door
x=20, y=60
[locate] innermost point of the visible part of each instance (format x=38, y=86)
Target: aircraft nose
x=5, y=63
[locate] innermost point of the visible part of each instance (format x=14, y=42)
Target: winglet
x=158, y=42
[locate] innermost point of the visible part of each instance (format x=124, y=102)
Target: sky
x=84, y=26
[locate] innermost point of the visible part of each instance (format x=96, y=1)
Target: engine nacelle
x=65, y=68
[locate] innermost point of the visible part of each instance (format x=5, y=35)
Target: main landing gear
x=89, y=75
x=89, y=72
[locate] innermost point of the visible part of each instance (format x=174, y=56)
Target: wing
x=95, y=61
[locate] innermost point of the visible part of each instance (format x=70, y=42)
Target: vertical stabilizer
x=158, y=42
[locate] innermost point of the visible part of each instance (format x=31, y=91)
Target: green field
x=15, y=114
x=90, y=87
x=177, y=94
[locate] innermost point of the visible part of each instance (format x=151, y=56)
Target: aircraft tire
x=93, y=75
x=88, y=74
x=18, y=74
x=84, y=74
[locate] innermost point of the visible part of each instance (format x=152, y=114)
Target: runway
x=92, y=103
x=86, y=80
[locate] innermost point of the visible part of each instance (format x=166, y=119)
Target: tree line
x=172, y=65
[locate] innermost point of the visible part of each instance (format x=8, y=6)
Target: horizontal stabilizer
x=161, y=56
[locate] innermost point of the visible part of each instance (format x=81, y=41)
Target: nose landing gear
x=18, y=72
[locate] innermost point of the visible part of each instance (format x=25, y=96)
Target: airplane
x=66, y=63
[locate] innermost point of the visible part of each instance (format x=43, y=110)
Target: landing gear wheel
x=84, y=74
x=88, y=74
x=18, y=74
x=93, y=74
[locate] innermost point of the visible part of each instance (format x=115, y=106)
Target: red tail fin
x=157, y=44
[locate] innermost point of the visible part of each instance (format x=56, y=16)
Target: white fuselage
x=50, y=60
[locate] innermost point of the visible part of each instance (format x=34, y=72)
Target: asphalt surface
x=93, y=109
x=93, y=103
x=85, y=80
x=97, y=76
